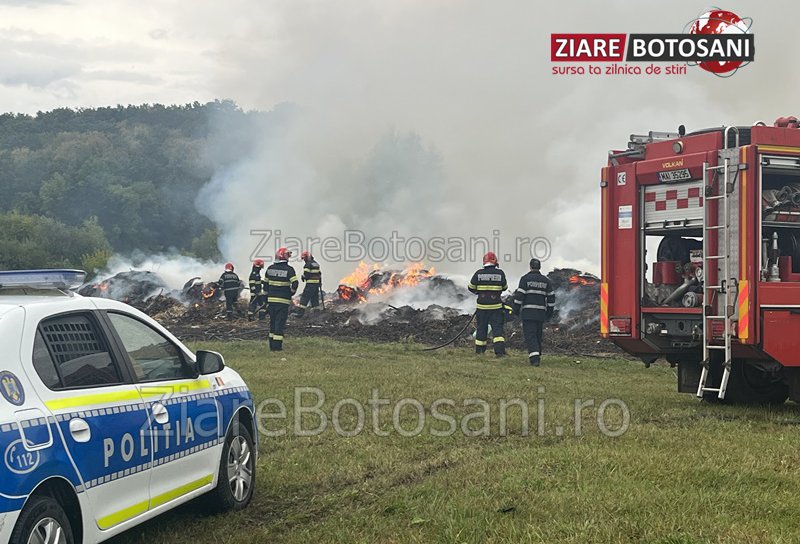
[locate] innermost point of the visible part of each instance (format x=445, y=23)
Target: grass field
x=684, y=471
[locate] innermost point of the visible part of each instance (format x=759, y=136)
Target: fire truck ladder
x=726, y=287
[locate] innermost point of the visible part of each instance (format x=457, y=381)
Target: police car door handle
x=160, y=413
x=79, y=430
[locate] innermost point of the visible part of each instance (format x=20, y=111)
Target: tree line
x=81, y=184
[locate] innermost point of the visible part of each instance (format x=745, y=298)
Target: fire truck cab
x=701, y=257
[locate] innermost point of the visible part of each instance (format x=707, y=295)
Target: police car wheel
x=42, y=521
x=237, y=472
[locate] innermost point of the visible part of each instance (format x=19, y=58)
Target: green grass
x=684, y=472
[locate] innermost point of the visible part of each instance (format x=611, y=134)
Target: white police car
x=106, y=419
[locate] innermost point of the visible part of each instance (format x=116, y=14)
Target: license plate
x=674, y=175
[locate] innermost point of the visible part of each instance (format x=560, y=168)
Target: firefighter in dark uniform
x=258, y=295
x=281, y=283
x=534, y=302
x=312, y=275
x=489, y=283
x=231, y=285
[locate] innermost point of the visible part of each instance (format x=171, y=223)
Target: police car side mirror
x=209, y=362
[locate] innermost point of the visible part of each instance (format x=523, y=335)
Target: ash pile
x=374, y=304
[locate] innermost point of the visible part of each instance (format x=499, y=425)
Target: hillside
x=79, y=185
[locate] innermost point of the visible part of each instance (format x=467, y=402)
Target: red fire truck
x=701, y=257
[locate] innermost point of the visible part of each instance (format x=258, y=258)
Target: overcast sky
x=521, y=149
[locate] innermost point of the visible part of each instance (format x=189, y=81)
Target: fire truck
x=701, y=257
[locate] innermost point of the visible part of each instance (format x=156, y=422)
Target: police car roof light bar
x=42, y=279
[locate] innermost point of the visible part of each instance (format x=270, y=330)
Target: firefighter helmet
x=282, y=254
x=306, y=256
x=258, y=263
x=228, y=267
x=490, y=257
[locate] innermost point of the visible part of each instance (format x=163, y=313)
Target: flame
x=102, y=288
x=582, y=280
x=208, y=291
x=350, y=294
x=368, y=280
x=360, y=276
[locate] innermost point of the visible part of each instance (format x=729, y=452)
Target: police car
x=106, y=419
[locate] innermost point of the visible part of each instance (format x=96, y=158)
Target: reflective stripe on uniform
x=533, y=354
x=489, y=288
x=470, y=286
x=480, y=342
x=279, y=300
x=312, y=281
x=534, y=307
x=275, y=283
x=498, y=339
x=497, y=306
x=534, y=292
x=277, y=337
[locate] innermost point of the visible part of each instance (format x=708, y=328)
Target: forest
x=79, y=185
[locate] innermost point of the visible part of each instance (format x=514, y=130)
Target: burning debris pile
x=148, y=292
x=381, y=305
x=416, y=286
x=366, y=281
x=135, y=287
x=577, y=299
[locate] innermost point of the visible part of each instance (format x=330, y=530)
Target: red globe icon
x=720, y=21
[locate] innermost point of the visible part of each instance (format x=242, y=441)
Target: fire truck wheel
x=752, y=384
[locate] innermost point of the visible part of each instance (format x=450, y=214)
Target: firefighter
x=281, y=284
x=258, y=295
x=534, y=301
x=231, y=285
x=489, y=283
x=313, y=278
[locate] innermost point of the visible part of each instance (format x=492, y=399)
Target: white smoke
x=443, y=119
x=174, y=269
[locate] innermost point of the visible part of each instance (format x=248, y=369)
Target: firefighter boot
x=535, y=360
x=499, y=347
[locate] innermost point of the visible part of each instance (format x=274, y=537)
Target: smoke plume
x=443, y=119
